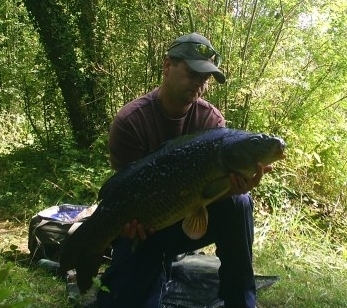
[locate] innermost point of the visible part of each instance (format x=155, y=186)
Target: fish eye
x=255, y=139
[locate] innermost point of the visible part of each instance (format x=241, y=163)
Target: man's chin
x=193, y=98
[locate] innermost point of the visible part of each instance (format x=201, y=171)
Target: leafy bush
x=6, y=296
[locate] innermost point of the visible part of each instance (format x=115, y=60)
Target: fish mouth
x=279, y=151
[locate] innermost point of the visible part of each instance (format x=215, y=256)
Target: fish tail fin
x=86, y=270
x=71, y=250
x=80, y=253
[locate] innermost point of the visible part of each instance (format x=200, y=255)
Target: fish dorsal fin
x=217, y=188
x=195, y=225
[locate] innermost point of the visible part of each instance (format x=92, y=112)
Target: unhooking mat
x=194, y=284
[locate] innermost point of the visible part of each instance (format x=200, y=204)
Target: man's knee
x=243, y=201
x=235, y=205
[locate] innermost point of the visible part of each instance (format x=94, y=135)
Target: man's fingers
x=233, y=180
x=240, y=185
x=267, y=169
x=135, y=229
x=257, y=177
x=130, y=229
x=261, y=170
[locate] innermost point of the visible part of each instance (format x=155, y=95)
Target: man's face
x=185, y=84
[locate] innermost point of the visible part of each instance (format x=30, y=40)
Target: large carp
x=174, y=183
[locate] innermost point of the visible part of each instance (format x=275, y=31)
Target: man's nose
x=202, y=78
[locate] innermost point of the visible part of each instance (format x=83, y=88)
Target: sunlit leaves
x=285, y=62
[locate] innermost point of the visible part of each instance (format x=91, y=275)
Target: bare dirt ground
x=13, y=237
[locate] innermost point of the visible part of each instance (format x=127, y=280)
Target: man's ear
x=166, y=65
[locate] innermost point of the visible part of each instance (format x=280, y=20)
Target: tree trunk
x=74, y=61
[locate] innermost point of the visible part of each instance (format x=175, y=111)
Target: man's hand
x=240, y=185
x=134, y=229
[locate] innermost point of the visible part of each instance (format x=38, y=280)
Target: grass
x=312, y=267
x=308, y=257
x=313, y=272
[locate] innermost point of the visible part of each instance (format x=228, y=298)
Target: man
x=136, y=279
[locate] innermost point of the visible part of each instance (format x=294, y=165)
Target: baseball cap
x=197, y=51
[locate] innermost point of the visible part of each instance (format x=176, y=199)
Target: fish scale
x=177, y=181
x=174, y=183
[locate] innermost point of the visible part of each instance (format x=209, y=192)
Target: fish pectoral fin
x=195, y=225
x=217, y=188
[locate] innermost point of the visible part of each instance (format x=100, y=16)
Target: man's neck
x=171, y=107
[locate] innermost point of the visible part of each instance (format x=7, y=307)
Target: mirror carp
x=174, y=183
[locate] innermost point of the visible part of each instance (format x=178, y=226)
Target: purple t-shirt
x=141, y=126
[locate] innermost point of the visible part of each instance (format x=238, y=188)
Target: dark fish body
x=177, y=181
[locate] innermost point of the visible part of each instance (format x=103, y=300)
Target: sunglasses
x=208, y=52
x=204, y=51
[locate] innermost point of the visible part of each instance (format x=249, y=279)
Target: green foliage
x=5, y=293
x=28, y=89
x=36, y=178
x=18, y=45
x=286, y=66
x=30, y=287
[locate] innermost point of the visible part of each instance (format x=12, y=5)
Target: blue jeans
x=137, y=279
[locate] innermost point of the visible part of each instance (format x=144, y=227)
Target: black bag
x=50, y=227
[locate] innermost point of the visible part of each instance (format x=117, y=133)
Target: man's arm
x=124, y=144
